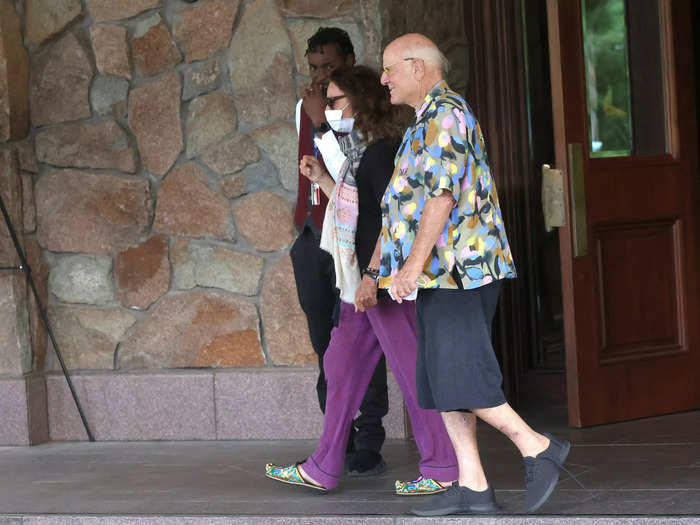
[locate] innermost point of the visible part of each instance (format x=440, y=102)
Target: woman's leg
x=349, y=363
x=395, y=327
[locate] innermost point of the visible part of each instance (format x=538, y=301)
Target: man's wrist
x=410, y=268
x=321, y=177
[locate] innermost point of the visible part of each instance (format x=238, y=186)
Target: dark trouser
x=456, y=367
x=315, y=280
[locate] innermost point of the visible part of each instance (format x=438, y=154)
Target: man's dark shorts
x=457, y=368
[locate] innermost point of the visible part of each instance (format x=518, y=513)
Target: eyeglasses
x=387, y=69
x=330, y=101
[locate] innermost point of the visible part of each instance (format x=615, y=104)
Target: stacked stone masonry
x=148, y=160
x=155, y=177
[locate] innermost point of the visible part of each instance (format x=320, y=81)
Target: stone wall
x=148, y=156
x=165, y=174
x=148, y=160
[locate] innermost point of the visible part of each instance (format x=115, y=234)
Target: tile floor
x=648, y=467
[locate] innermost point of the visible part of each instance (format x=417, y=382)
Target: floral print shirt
x=445, y=150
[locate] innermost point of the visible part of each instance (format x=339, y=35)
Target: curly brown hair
x=375, y=117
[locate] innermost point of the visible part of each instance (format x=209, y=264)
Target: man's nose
x=384, y=79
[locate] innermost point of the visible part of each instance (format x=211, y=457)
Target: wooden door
x=625, y=139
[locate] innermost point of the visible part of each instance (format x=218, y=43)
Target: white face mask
x=337, y=122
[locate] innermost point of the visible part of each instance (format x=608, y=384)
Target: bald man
x=443, y=238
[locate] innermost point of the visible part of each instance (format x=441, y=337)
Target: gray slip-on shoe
x=458, y=500
x=542, y=472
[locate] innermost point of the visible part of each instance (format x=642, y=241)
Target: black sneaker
x=458, y=500
x=542, y=472
x=363, y=463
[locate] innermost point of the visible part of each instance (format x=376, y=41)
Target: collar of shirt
x=438, y=89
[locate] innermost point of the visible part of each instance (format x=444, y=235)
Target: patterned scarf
x=340, y=221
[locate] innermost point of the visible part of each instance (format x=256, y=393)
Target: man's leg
x=317, y=297
x=455, y=373
x=472, y=494
x=505, y=419
x=461, y=427
x=543, y=457
x=320, y=324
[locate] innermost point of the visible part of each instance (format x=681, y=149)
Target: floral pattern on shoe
x=420, y=486
x=289, y=474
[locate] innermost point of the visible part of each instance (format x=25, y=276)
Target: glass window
x=624, y=77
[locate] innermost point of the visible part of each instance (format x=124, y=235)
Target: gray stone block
x=200, y=78
x=13, y=407
x=108, y=95
x=82, y=279
x=281, y=403
x=15, y=342
x=23, y=409
x=133, y=406
x=260, y=176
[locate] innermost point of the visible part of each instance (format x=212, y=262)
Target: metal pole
x=28, y=274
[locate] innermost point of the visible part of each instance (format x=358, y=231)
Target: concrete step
x=346, y=520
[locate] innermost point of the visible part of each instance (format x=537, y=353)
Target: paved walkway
x=643, y=468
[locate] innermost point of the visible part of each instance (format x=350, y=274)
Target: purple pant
x=355, y=348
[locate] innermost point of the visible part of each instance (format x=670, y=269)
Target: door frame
x=565, y=232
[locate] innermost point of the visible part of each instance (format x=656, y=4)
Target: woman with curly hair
x=370, y=323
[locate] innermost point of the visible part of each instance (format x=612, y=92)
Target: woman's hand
x=311, y=168
x=366, y=294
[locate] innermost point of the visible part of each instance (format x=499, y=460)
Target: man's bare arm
x=432, y=223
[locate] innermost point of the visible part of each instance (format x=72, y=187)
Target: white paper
x=297, y=114
x=333, y=157
x=410, y=297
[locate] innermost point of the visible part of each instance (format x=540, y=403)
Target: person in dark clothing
x=371, y=325
x=328, y=49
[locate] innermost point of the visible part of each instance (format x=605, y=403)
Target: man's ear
x=418, y=68
x=350, y=60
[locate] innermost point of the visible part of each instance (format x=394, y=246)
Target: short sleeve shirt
x=445, y=151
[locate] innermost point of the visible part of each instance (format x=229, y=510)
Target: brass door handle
x=579, y=225
x=552, y=198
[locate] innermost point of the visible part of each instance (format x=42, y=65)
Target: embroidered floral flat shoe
x=419, y=487
x=291, y=475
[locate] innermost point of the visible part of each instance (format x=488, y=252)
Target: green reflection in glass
x=607, y=77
